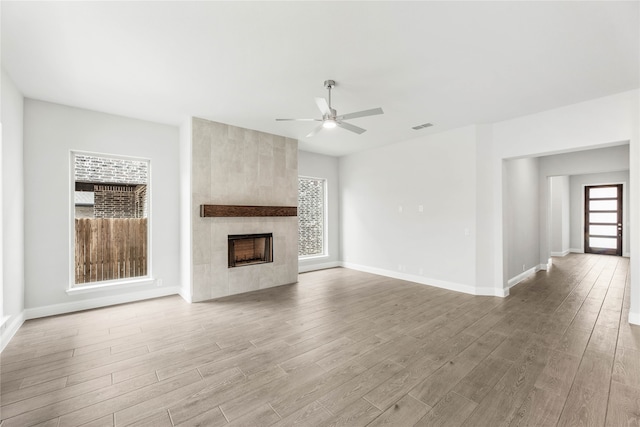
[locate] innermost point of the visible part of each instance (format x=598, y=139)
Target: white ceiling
x=247, y=63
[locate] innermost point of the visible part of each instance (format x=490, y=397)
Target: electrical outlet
x=399, y=209
x=523, y=267
x=158, y=282
x=420, y=208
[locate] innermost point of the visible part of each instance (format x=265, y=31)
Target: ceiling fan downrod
x=330, y=84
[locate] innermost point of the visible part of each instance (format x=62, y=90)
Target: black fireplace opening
x=250, y=249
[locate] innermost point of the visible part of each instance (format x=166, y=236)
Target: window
x=110, y=206
x=311, y=216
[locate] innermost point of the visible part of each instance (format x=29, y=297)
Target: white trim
x=492, y=292
x=325, y=218
x=525, y=274
x=452, y=286
x=634, y=318
x=9, y=328
x=321, y=266
x=561, y=254
x=312, y=257
x=185, y=295
x=546, y=266
x=70, y=307
x=110, y=284
x=626, y=255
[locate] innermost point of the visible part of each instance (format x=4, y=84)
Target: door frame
x=624, y=214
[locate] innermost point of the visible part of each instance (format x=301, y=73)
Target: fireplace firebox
x=250, y=249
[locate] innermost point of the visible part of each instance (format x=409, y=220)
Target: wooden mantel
x=246, y=211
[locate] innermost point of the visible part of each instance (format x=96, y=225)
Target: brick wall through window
x=311, y=202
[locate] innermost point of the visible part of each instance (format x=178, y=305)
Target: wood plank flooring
x=340, y=348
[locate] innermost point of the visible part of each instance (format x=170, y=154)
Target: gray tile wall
x=237, y=166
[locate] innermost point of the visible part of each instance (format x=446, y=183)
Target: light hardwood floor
x=341, y=348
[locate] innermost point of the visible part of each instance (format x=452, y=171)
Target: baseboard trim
x=492, y=292
x=451, y=286
x=186, y=295
x=87, y=304
x=315, y=267
x=545, y=267
x=525, y=274
x=9, y=328
x=634, y=318
x=561, y=254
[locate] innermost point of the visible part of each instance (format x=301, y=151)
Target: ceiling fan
x=330, y=119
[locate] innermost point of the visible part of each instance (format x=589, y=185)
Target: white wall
x=560, y=207
x=321, y=166
x=634, y=212
x=591, y=124
x=11, y=316
x=436, y=246
x=487, y=221
x=578, y=182
x=521, y=216
x=51, y=131
x=566, y=214
x=601, y=122
x=606, y=159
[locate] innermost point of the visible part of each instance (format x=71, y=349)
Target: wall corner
x=9, y=325
x=186, y=269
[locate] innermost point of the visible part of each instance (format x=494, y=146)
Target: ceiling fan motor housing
x=333, y=114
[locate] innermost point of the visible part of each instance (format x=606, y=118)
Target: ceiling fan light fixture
x=329, y=124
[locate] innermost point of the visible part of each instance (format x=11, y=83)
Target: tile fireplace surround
x=236, y=166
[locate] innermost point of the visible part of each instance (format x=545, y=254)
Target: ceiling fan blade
x=298, y=120
x=323, y=106
x=352, y=128
x=365, y=113
x=315, y=131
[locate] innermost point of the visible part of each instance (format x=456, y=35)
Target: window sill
x=312, y=257
x=112, y=284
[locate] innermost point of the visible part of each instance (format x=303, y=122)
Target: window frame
x=325, y=219
x=119, y=283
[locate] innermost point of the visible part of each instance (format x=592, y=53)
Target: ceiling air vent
x=426, y=125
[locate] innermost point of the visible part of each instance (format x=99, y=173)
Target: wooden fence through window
x=110, y=248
